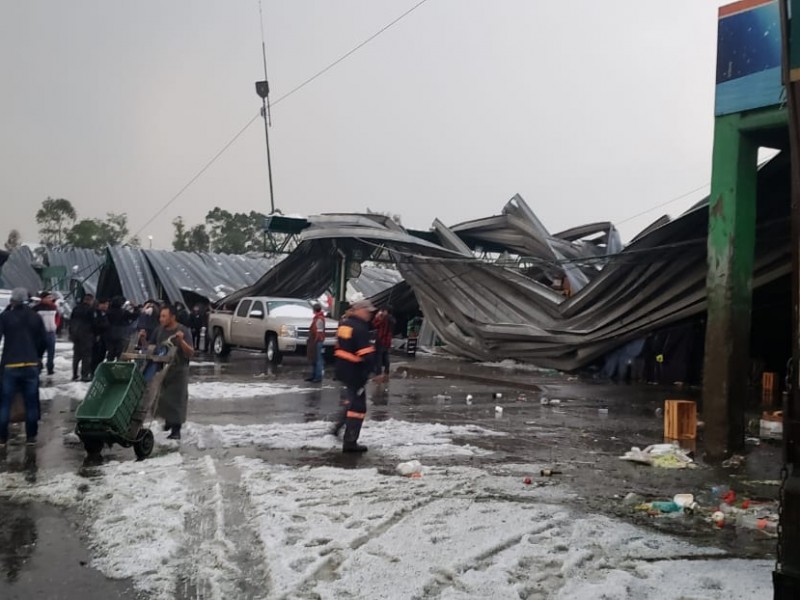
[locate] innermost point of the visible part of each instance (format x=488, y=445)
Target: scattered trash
x=522, y=398
x=602, y=411
x=683, y=500
x=768, y=525
x=555, y=402
x=665, y=456
x=735, y=461
x=497, y=396
x=752, y=441
x=527, y=481
x=633, y=499
x=469, y=399
x=544, y=401
x=666, y=507
x=442, y=398
x=549, y=472
x=410, y=468
x=404, y=374
x=659, y=412
x=498, y=410
x=771, y=425
x=718, y=518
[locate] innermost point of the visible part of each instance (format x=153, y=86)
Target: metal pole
x=786, y=577
x=264, y=93
x=269, y=158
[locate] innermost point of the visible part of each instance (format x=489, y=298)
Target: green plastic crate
x=113, y=397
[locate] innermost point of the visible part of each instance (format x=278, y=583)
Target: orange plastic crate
x=680, y=420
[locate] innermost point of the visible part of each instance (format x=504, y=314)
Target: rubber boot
x=337, y=427
x=351, y=433
x=176, y=433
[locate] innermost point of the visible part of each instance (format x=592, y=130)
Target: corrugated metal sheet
x=373, y=281
x=211, y=276
x=18, y=271
x=309, y=270
x=490, y=311
x=128, y=274
x=82, y=265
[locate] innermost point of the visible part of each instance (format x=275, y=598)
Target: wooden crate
x=680, y=420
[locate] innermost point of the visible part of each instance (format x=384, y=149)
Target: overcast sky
x=590, y=110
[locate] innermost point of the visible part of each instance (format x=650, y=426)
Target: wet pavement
x=44, y=551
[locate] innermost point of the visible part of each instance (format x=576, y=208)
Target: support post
x=731, y=243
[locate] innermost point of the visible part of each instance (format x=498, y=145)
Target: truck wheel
x=219, y=347
x=273, y=354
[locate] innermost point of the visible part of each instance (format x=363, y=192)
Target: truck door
x=239, y=323
x=256, y=319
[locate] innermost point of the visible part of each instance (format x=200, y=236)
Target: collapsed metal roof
x=487, y=308
x=139, y=274
x=373, y=280
x=17, y=271
x=82, y=265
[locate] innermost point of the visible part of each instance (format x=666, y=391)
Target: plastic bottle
x=666, y=507
x=753, y=522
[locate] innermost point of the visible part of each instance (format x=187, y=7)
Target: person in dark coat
x=148, y=317
x=25, y=344
x=206, y=332
x=101, y=330
x=174, y=401
x=183, y=314
x=196, y=325
x=119, y=322
x=354, y=365
x=81, y=332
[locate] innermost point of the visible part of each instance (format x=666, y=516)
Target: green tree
x=96, y=234
x=179, y=239
x=14, y=240
x=55, y=219
x=197, y=239
x=194, y=239
x=235, y=233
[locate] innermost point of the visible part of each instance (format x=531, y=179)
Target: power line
x=286, y=95
x=663, y=204
x=350, y=52
x=197, y=176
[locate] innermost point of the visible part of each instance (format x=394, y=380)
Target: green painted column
x=731, y=242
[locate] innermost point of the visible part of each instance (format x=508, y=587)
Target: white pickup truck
x=276, y=326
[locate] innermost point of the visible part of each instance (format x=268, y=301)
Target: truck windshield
x=289, y=308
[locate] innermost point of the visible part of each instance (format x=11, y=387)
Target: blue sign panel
x=748, y=56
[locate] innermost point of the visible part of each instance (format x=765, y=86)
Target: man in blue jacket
x=25, y=344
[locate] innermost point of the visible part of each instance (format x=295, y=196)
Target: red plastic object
x=527, y=481
x=729, y=498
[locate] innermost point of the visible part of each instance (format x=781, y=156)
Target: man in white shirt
x=48, y=311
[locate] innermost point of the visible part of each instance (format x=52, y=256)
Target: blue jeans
x=26, y=381
x=51, y=351
x=319, y=363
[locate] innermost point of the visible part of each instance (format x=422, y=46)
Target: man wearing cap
x=25, y=344
x=354, y=364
